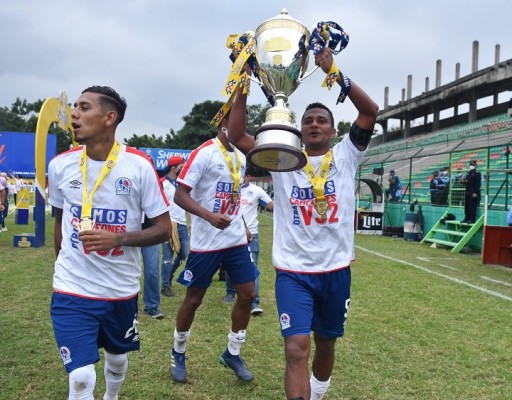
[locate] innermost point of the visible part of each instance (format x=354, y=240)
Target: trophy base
x=277, y=149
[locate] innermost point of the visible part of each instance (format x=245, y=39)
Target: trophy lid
x=283, y=20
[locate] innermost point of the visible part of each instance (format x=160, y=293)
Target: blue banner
x=17, y=152
x=160, y=156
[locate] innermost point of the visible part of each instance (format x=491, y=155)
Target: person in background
x=209, y=189
x=5, y=209
x=252, y=198
x=313, y=233
x=394, y=191
x=179, y=243
x=151, y=268
x=472, y=182
x=509, y=217
x=444, y=176
x=99, y=192
x=3, y=201
x=436, y=187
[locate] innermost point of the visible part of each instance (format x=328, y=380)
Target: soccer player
x=314, y=233
x=100, y=191
x=209, y=189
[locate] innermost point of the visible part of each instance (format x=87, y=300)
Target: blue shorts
x=313, y=302
x=81, y=326
x=201, y=267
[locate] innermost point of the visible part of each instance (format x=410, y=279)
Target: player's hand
x=98, y=240
x=474, y=195
x=249, y=235
x=324, y=59
x=219, y=221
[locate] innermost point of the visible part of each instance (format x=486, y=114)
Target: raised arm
x=237, y=125
x=366, y=107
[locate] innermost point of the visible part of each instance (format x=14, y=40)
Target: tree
x=22, y=117
x=145, y=141
x=342, y=129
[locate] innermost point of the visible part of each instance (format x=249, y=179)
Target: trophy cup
x=282, y=53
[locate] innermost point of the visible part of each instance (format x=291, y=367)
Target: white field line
x=430, y=260
x=495, y=281
x=456, y=280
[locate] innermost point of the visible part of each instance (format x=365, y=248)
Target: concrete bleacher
x=487, y=141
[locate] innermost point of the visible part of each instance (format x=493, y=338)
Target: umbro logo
x=220, y=166
x=75, y=184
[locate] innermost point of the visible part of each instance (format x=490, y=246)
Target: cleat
x=167, y=291
x=237, y=364
x=155, y=313
x=256, y=310
x=229, y=298
x=178, y=370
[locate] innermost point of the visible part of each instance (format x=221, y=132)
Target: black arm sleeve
x=360, y=136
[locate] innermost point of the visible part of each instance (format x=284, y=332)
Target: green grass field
x=423, y=324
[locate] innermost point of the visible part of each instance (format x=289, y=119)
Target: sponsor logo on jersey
x=106, y=219
x=285, y=321
x=75, y=184
x=123, y=186
x=65, y=354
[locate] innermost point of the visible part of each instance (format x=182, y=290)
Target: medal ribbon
x=235, y=172
x=242, y=50
x=318, y=181
x=330, y=34
x=113, y=155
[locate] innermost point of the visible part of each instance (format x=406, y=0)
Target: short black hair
x=322, y=106
x=109, y=97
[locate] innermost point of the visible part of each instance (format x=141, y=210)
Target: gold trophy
x=282, y=53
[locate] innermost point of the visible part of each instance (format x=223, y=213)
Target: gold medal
x=234, y=197
x=321, y=207
x=86, y=224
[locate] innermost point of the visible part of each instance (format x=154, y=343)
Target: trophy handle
x=308, y=73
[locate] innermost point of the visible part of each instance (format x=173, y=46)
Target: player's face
x=88, y=117
x=317, y=130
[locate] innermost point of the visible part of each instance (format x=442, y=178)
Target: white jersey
x=303, y=241
x=129, y=190
x=207, y=175
x=252, y=196
x=177, y=213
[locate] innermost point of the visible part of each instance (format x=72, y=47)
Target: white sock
x=81, y=383
x=115, y=373
x=318, y=388
x=235, y=341
x=180, y=341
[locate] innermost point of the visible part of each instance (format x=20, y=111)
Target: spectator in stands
x=472, y=181
x=394, y=192
x=509, y=217
x=435, y=188
x=445, y=178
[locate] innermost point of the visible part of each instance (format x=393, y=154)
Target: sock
x=235, y=341
x=81, y=383
x=318, y=388
x=115, y=373
x=180, y=341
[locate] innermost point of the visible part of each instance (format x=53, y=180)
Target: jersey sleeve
x=54, y=194
x=194, y=169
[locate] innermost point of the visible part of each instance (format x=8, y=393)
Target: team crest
x=285, y=321
x=188, y=275
x=65, y=354
x=123, y=186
